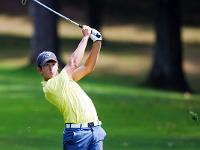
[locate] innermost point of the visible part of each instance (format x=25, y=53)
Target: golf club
x=62, y=16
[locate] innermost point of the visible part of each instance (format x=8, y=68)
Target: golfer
x=83, y=129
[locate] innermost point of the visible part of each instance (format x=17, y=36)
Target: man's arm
x=77, y=56
x=72, y=67
x=90, y=63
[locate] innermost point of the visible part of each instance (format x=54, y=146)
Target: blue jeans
x=83, y=138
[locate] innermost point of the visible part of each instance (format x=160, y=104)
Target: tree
x=167, y=72
x=45, y=35
x=95, y=9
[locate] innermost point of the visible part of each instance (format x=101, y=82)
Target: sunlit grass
x=134, y=117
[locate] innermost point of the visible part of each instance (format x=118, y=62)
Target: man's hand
x=86, y=30
x=95, y=35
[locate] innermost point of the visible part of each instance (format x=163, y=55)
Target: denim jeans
x=83, y=138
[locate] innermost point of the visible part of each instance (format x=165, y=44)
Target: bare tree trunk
x=45, y=35
x=95, y=9
x=167, y=72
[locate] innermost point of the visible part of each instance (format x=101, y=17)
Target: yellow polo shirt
x=70, y=99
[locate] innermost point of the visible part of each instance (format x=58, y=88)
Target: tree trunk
x=167, y=71
x=45, y=37
x=95, y=9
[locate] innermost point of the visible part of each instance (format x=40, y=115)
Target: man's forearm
x=78, y=54
x=93, y=56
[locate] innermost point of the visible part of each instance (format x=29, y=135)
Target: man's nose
x=50, y=67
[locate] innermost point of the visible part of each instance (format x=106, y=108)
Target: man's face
x=49, y=70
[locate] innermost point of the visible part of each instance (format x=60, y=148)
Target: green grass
x=134, y=117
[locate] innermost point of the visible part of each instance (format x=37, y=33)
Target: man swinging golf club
x=83, y=129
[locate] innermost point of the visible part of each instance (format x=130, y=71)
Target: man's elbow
x=73, y=63
x=89, y=69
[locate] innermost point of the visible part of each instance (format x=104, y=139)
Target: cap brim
x=44, y=62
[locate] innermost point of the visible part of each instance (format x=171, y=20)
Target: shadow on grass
x=18, y=45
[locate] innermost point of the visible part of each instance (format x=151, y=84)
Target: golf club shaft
x=64, y=17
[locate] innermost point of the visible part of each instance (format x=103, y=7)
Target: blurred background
x=145, y=86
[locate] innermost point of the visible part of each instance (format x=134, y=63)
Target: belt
x=83, y=125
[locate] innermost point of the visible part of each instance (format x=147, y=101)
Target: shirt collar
x=44, y=83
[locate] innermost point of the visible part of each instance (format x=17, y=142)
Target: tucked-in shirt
x=73, y=103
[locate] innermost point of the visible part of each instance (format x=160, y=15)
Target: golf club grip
x=80, y=26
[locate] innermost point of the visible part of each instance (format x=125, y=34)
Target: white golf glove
x=95, y=35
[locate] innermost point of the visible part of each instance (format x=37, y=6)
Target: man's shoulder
x=59, y=79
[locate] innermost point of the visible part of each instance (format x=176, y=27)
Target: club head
x=24, y=2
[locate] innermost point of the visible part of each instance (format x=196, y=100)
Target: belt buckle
x=91, y=124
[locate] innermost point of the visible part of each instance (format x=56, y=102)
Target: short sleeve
x=53, y=88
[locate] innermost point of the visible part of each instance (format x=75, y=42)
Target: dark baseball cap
x=45, y=56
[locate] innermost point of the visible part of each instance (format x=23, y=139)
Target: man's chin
x=53, y=75
x=50, y=76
